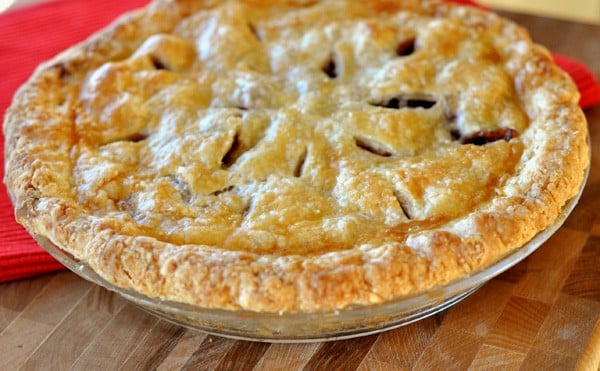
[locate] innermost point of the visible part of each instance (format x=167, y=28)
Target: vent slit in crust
x=223, y=190
x=406, y=47
x=300, y=164
x=412, y=101
x=137, y=137
x=372, y=146
x=254, y=32
x=330, y=68
x=402, y=205
x=454, y=134
x=480, y=138
x=157, y=63
x=420, y=103
x=247, y=209
x=133, y=138
x=393, y=103
x=233, y=153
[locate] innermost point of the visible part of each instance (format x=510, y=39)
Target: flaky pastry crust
x=295, y=156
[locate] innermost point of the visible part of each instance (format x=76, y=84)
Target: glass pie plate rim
x=348, y=323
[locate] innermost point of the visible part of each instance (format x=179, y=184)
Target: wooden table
x=542, y=314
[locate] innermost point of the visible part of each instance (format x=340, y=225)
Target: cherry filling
x=137, y=137
x=480, y=138
x=425, y=102
x=422, y=103
x=157, y=63
x=393, y=103
x=330, y=69
x=406, y=48
x=223, y=190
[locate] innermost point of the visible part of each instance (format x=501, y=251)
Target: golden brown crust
x=296, y=155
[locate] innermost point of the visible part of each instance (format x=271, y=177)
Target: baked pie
x=295, y=155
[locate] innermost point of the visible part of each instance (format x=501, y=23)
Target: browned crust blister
x=387, y=257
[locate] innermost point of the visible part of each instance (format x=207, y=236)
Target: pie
x=295, y=155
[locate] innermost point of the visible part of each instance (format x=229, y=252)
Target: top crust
x=294, y=156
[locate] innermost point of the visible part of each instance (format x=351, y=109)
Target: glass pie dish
x=302, y=327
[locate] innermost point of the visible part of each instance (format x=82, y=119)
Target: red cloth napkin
x=31, y=35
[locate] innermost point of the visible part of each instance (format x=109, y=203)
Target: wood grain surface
x=541, y=315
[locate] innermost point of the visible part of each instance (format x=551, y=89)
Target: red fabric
x=468, y=2
x=31, y=35
x=586, y=81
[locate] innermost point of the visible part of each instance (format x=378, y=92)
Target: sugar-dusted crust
x=294, y=156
